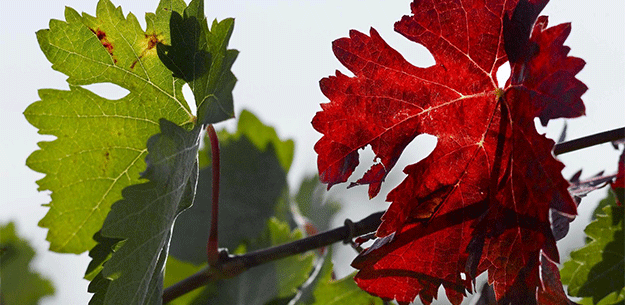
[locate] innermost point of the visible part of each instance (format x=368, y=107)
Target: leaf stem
x=591, y=140
x=228, y=266
x=212, y=251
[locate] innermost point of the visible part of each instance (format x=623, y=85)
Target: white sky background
x=285, y=50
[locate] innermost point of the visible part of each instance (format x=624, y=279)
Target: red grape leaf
x=551, y=292
x=480, y=201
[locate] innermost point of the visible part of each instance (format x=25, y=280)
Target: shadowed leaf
x=145, y=217
x=252, y=180
x=201, y=57
x=312, y=204
x=328, y=291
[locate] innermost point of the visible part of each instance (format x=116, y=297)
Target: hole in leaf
x=108, y=90
x=553, y=130
x=422, y=146
x=367, y=159
x=414, y=53
x=417, y=150
x=539, y=126
x=189, y=98
x=503, y=73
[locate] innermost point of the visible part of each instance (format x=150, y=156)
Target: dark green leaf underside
x=144, y=219
x=200, y=56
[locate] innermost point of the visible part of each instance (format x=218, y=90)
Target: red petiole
x=212, y=251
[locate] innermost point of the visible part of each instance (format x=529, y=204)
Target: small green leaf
x=18, y=283
x=312, y=203
x=252, y=180
x=201, y=57
x=263, y=136
x=611, y=299
x=291, y=272
x=144, y=219
x=100, y=144
x=597, y=269
x=326, y=291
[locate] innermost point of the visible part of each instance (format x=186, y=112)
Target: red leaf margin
x=480, y=202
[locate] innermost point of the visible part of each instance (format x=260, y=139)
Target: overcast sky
x=285, y=49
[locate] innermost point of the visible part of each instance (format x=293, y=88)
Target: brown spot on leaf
x=105, y=42
x=107, y=158
x=152, y=41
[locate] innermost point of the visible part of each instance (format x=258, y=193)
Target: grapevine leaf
x=19, y=284
x=473, y=204
x=611, y=299
x=101, y=253
x=290, y=272
x=100, y=144
x=263, y=136
x=144, y=218
x=201, y=57
x=252, y=179
x=551, y=290
x=327, y=291
x=311, y=204
x=279, y=279
x=578, y=190
x=596, y=270
x=310, y=210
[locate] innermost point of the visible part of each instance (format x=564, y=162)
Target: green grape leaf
x=610, y=200
x=18, y=283
x=596, y=270
x=262, y=136
x=144, y=219
x=613, y=298
x=102, y=251
x=252, y=180
x=312, y=204
x=273, y=283
x=324, y=290
x=310, y=209
x=100, y=143
x=290, y=272
x=201, y=57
